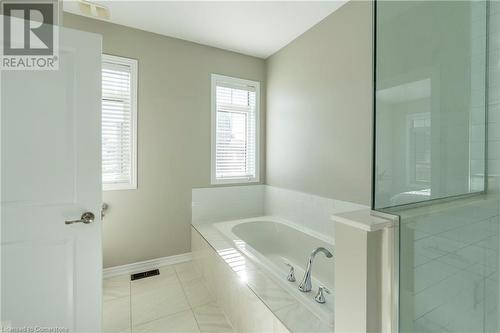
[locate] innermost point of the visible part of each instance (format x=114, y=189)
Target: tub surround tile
x=239, y=265
x=251, y=299
x=272, y=294
x=229, y=292
x=116, y=315
x=239, y=202
x=261, y=318
x=243, y=308
x=278, y=327
x=299, y=320
x=217, y=241
x=308, y=210
x=211, y=318
x=227, y=203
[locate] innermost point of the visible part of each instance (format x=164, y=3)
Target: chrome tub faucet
x=291, y=273
x=306, y=285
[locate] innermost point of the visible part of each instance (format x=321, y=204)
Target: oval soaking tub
x=272, y=242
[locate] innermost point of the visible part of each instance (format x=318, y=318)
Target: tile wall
x=494, y=99
x=215, y=204
x=230, y=203
x=449, y=267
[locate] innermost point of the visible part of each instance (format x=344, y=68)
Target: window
x=235, y=130
x=419, y=149
x=119, y=123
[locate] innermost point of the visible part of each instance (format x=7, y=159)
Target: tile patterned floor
x=175, y=301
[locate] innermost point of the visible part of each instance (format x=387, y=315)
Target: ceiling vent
x=93, y=9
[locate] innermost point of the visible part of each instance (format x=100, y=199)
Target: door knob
x=86, y=218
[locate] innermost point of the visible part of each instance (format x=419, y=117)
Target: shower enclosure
x=437, y=158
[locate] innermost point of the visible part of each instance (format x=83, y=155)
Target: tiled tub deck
x=252, y=301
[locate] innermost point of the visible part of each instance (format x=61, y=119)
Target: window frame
x=133, y=64
x=216, y=78
x=411, y=160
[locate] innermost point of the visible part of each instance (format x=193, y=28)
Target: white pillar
x=364, y=271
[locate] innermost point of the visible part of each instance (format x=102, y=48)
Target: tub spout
x=306, y=285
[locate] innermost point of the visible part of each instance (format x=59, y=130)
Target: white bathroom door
x=51, y=272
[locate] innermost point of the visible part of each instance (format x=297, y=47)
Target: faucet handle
x=291, y=273
x=320, y=296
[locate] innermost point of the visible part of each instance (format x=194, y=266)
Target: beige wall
x=173, y=138
x=319, y=108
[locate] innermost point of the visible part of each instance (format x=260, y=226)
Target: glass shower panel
x=449, y=266
x=430, y=100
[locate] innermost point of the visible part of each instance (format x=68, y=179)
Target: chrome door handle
x=86, y=218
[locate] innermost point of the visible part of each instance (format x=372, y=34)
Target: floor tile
x=167, y=276
x=181, y=322
x=116, y=315
x=210, y=318
x=177, y=300
x=116, y=287
x=197, y=292
x=157, y=303
x=156, y=297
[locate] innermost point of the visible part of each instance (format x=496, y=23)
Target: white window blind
x=235, y=122
x=119, y=118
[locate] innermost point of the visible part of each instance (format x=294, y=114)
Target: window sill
x=235, y=181
x=118, y=187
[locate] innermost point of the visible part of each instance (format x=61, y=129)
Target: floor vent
x=143, y=275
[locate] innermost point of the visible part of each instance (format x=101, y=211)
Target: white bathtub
x=271, y=242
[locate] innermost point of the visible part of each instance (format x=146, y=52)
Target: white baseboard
x=146, y=265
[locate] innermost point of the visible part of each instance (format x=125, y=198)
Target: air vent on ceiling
x=93, y=9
